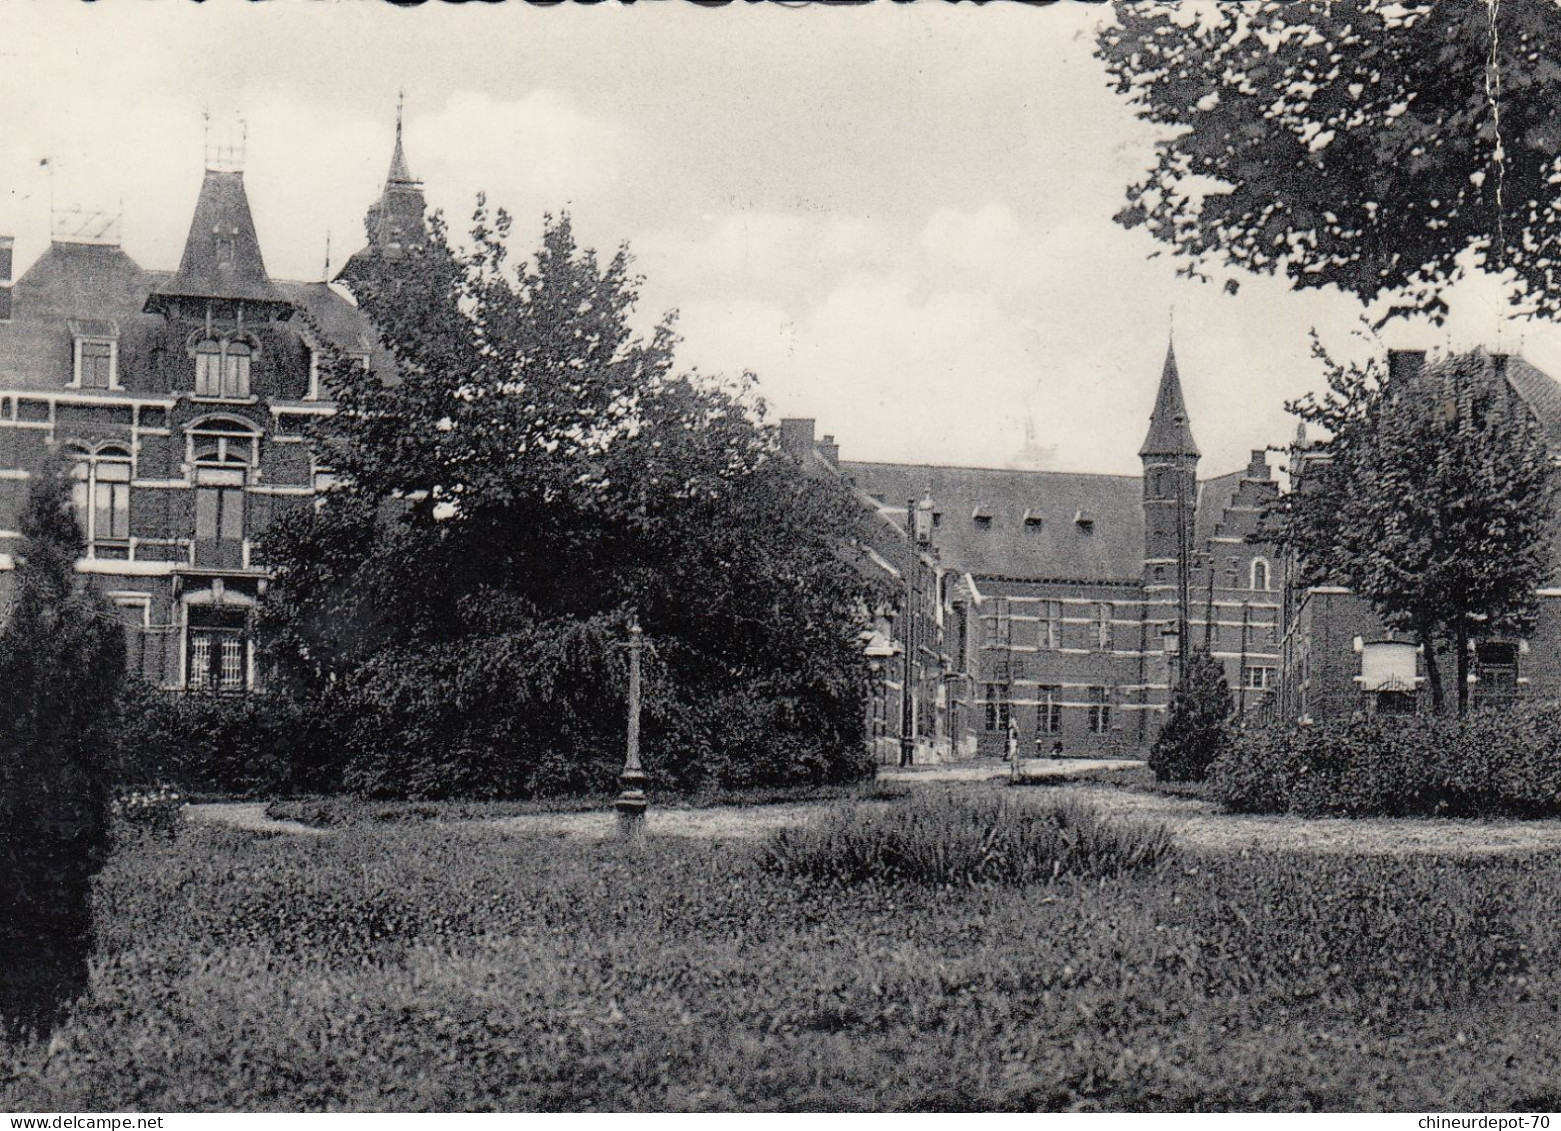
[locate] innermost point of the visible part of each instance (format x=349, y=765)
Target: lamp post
x=631, y=803
x=918, y=530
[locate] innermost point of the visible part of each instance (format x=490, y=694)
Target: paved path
x=247, y=815
x=986, y=770
x=1199, y=825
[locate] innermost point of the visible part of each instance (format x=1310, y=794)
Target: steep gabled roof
x=1108, y=548
x=1540, y=392
x=1170, y=434
x=222, y=257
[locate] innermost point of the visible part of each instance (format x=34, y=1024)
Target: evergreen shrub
x=1490, y=763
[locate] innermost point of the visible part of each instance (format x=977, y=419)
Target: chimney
x=796, y=437
x=1405, y=365
x=6, y=249
x=1257, y=466
x=829, y=450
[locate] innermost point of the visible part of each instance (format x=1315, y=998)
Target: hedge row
x=1490, y=763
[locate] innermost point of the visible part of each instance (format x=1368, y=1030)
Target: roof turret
x=1170, y=434
x=222, y=257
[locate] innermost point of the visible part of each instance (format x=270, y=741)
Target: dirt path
x=247, y=815
x=1198, y=825
x=990, y=770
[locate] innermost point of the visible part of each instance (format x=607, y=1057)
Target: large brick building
x=182, y=399
x=1339, y=659
x=1064, y=597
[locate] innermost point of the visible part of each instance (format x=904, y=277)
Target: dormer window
x=1084, y=520
x=95, y=355
x=224, y=248
x=982, y=514
x=235, y=369
x=222, y=366
x=208, y=368
x=1032, y=519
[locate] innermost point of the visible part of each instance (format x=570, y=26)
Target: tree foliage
x=1364, y=144
x=1431, y=496
x=62, y=662
x=1194, y=733
x=535, y=472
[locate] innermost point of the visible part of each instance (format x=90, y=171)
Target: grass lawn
x=428, y=966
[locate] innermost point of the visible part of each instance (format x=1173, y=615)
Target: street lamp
x=631, y=803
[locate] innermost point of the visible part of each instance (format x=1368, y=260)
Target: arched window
x=222, y=364
x=100, y=495
x=235, y=369
x=1260, y=573
x=221, y=454
x=208, y=367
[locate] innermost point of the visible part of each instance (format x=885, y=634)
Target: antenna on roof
x=225, y=157
x=327, y=275
x=401, y=96
x=86, y=225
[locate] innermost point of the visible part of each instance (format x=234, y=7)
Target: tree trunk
x=1462, y=644
x=1432, y=671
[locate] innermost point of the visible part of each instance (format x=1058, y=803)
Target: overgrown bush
x=1195, y=729
x=157, y=811
x=245, y=745
x=942, y=838
x=1489, y=763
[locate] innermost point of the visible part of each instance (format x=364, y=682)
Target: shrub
x=245, y=745
x=944, y=839
x=62, y=660
x=1486, y=764
x=1195, y=727
x=159, y=811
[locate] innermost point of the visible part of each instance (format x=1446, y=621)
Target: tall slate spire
x=395, y=221
x=399, y=173
x=1170, y=434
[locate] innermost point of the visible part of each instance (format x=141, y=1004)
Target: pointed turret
x=1170, y=459
x=222, y=260
x=1169, y=432
x=395, y=221
x=399, y=173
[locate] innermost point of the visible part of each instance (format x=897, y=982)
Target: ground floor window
x=217, y=650
x=998, y=709
x=1048, y=714
x=1258, y=678
x=1099, y=710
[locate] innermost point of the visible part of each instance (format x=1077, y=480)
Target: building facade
x=181, y=400
x=1079, y=590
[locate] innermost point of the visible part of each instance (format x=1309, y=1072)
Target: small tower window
x=208, y=368
x=1260, y=573
x=235, y=370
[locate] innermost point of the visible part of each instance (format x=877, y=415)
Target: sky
x=898, y=217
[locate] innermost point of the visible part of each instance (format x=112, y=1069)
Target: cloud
x=539, y=152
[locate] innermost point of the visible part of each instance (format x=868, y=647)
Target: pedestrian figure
x=1057, y=749
x=1011, y=754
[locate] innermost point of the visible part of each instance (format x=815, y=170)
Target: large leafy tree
x=537, y=472
x=62, y=662
x=1364, y=144
x=1432, y=497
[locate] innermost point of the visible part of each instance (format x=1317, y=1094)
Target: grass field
x=425, y=966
